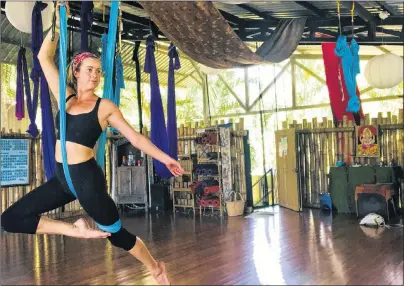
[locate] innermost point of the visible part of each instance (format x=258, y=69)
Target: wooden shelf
x=182, y=189
x=184, y=206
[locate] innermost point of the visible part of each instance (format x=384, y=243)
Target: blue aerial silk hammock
x=174, y=64
x=62, y=90
x=158, y=132
x=349, y=56
x=119, y=84
x=38, y=78
x=107, y=62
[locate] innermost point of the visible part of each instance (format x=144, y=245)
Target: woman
x=87, y=116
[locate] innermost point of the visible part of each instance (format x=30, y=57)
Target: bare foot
x=161, y=275
x=83, y=230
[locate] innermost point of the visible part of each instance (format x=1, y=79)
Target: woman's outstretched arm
x=46, y=59
x=116, y=120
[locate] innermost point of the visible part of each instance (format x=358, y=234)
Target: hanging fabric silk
x=120, y=81
x=104, y=40
x=108, y=56
x=62, y=88
x=86, y=16
x=21, y=81
x=62, y=95
x=174, y=64
x=135, y=58
x=158, y=131
x=350, y=66
x=38, y=77
x=23, y=84
x=119, y=84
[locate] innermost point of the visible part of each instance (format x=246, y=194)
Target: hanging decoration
x=174, y=64
x=38, y=78
x=19, y=14
x=349, y=58
x=158, y=131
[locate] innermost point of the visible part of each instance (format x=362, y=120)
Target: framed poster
x=367, y=141
x=14, y=162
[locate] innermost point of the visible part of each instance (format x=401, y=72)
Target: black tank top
x=83, y=129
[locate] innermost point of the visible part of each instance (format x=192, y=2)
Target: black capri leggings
x=89, y=183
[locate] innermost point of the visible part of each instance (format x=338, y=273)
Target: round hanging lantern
x=20, y=15
x=384, y=71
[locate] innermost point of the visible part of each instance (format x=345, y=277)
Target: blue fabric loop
x=119, y=84
x=107, y=65
x=350, y=65
x=62, y=94
x=111, y=228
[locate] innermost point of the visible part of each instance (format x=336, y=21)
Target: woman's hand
x=174, y=167
x=58, y=12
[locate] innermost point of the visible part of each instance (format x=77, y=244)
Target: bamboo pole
x=351, y=150
x=330, y=145
x=400, y=145
x=345, y=136
x=324, y=161
x=394, y=139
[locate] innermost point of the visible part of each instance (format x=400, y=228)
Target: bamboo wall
x=320, y=145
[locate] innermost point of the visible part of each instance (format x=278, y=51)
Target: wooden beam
x=313, y=9
x=360, y=11
x=389, y=32
x=387, y=8
x=231, y=18
x=258, y=13
x=310, y=72
x=232, y=92
x=327, y=32
x=269, y=86
x=270, y=111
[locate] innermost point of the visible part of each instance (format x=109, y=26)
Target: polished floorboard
x=280, y=248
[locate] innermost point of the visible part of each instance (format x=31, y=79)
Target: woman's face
x=89, y=74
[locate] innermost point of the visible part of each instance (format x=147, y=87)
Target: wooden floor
x=284, y=248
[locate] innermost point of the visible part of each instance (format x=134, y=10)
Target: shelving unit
x=182, y=194
x=210, y=154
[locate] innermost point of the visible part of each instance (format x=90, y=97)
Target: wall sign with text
x=14, y=161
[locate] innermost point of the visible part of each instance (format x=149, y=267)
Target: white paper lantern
x=384, y=71
x=20, y=15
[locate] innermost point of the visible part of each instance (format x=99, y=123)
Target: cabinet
x=132, y=187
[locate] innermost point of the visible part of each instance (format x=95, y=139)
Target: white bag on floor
x=373, y=219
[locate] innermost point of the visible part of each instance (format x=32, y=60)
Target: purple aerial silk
x=38, y=77
x=19, y=95
x=158, y=132
x=174, y=64
x=23, y=83
x=86, y=20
